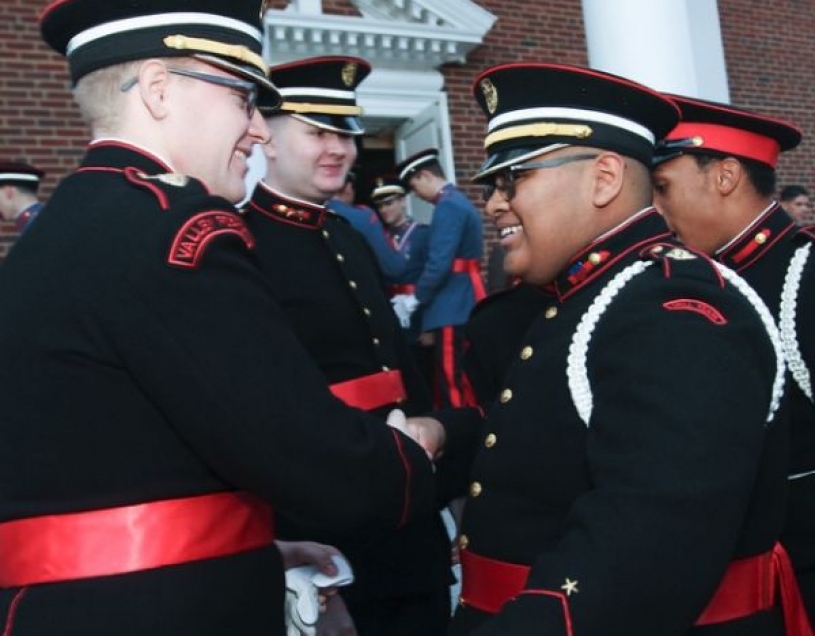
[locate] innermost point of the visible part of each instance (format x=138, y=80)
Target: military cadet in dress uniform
x=630, y=477
x=330, y=291
x=364, y=220
x=450, y=284
x=19, y=183
x=714, y=180
x=151, y=429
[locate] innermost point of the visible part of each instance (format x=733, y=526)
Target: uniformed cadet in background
x=630, y=478
x=158, y=412
x=714, y=179
x=328, y=285
x=392, y=263
x=450, y=284
x=19, y=183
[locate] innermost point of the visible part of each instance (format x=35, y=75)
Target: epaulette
x=807, y=231
x=169, y=188
x=670, y=256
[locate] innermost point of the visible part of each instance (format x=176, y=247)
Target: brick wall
x=768, y=48
x=770, y=54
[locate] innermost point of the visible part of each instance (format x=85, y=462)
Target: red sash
x=370, y=392
x=111, y=541
x=472, y=267
x=748, y=586
x=406, y=288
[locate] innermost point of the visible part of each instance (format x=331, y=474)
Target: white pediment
x=396, y=34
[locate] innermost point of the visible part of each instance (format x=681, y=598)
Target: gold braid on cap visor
x=545, y=129
x=201, y=45
x=321, y=109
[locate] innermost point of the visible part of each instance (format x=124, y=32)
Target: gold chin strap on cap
x=320, y=109
x=201, y=45
x=546, y=129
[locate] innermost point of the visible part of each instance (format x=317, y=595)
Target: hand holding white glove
x=303, y=589
x=404, y=305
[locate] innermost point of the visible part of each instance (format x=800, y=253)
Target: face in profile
x=542, y=215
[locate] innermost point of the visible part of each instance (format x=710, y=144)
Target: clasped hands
x=427, y=432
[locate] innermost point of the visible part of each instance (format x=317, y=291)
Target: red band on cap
x=729, y=140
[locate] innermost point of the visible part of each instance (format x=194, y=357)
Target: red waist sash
x=111, y=541
x=748, y=586
x=369, y=392
x=472, y=267
x=406, y=288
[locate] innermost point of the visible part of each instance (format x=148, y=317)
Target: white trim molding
x=398, y=34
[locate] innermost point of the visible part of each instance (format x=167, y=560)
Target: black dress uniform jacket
x=774, y=255
x=636, y=449
x=134, y=370
x=329, y=287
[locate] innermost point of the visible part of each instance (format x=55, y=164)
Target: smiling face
x=548, y=220
x=211, y=132
x=306, y=162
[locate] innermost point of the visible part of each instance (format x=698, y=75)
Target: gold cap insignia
x=264, y=7
x=349, y=73
x=380, y=182
x=490, y=94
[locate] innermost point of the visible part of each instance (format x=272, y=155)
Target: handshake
x=427, y=432
x=404, y=305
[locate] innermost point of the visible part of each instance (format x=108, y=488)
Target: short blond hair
x=100, y=97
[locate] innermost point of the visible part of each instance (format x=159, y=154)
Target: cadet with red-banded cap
x=714, y=178
x=151, y=429
x=630, y=475
x=19, y=183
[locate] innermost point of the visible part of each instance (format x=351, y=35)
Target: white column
x=669, y=45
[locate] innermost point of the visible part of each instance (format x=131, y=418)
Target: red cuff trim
x=564, y=602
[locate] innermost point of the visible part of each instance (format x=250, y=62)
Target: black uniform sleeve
x=245, y=396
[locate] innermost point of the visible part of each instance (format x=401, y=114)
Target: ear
x=153, y=87
x=727, y=175
x=609, y=175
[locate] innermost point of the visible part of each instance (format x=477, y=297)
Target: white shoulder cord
x=786, y=320
x=576, y=370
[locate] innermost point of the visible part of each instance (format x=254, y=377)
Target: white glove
x=404, y=305
x=303, y=584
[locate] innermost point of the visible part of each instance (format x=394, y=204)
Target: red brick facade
x=769, y=50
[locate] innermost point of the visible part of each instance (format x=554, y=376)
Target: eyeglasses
x=504, y=181
x=248, y=90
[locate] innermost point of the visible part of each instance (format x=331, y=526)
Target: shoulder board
x=203, y=220
x=167, y=188
x=807, y=232
x=675, y=258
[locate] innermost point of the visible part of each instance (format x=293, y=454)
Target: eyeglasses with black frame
x=248, y=89
x=504, y=181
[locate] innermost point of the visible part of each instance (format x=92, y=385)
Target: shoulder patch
x=697, y=307
x=192, y=239
x=163, y=186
